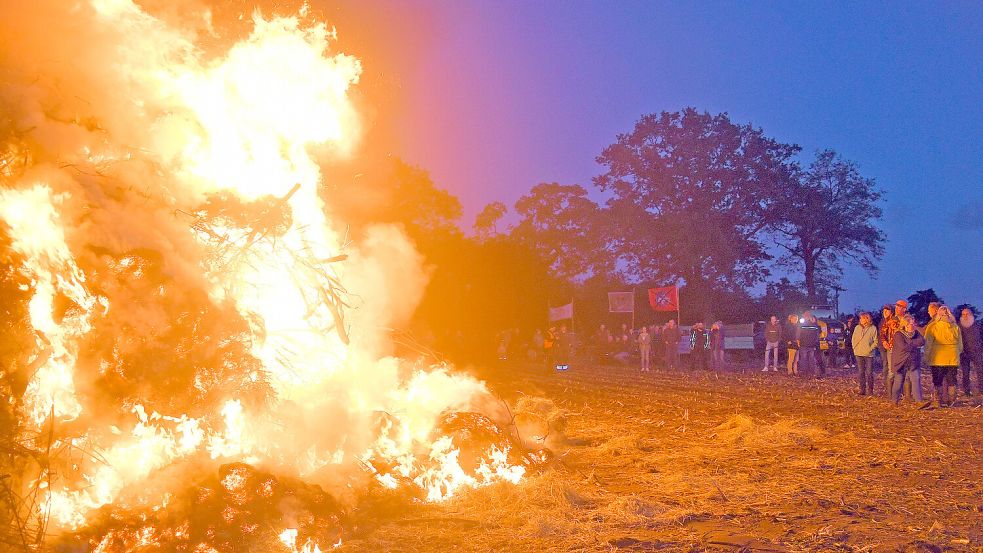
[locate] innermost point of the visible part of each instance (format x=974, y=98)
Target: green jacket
x=864, y=340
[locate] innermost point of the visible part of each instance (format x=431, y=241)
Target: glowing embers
x=239, y=509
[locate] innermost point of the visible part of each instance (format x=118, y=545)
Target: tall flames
x=163, y=199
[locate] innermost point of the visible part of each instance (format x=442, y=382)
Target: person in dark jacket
x=773, y=336
x=791, y=331
x=807, y=340
x=699, y=340
x=972, y=355
x=717, y=346
x=848, y=328
x=670, y=341
x=907, y=342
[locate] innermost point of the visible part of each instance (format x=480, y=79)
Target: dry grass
x=681, y=462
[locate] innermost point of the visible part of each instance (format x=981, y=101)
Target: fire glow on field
x=157, y=128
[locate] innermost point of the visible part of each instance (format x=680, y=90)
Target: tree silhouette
x=691, y=196
x=486, y=222
x=918, y=304
x=828, y=216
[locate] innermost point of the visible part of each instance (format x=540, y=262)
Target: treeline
x=739, y=220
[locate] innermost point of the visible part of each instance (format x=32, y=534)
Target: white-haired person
x=972, y=350
x=943, y=346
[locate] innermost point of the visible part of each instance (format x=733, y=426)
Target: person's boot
x=937, y=397
x=952, y=395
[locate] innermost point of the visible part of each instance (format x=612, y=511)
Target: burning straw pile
x=194, y=357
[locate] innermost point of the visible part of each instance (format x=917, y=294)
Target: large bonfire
x=195, y=357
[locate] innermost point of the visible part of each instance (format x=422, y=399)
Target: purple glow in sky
x=504, y=95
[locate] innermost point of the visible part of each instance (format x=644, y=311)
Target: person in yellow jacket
x=943, y=346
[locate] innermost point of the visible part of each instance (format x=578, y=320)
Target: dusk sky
x=499, y=96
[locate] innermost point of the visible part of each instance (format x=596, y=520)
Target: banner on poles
x=562, y=312
x=664, y=299
x=621, y=302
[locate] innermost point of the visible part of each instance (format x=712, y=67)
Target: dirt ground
x=682, y=461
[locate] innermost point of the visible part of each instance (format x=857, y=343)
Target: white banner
x=562, y=312
x=621, y=302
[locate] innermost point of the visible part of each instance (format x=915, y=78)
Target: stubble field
x=684, y=461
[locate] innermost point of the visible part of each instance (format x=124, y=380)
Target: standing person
x=549, y=345
x=851, y=325
x=889, y=325
x=972, y=350
x=907, y=342
x=791, y=331
x=717, y=346
x=943, y=346
x=644, y=347
x=699, y=340
x=773, y=335
x=900, y=310
x=864, y=343
x=537, y=341
x=808, y=343
x=670, y=340
x=658, y=351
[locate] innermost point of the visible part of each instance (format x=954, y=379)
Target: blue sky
x=499, y=96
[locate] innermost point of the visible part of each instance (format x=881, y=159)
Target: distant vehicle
x=737, y=337
x=832, y=334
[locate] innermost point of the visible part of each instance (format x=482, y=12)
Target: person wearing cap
x=943, y=346
x=889, y=325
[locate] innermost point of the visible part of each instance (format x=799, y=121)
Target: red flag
x=664, y=299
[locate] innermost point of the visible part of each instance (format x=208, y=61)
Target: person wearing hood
x=864, y=343
x=972, y=355
x=907, y=342
x=943, y=346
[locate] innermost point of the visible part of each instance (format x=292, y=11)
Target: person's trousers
x=772, y=349
x=644, y=350
x=717, y=359
x=886, y=373
x=699, y=358
x=865, y=371
x=906, y=376
x=793, y=361
x=966, y=362
x=672, y=356
x=943, y=376
x=807, y=359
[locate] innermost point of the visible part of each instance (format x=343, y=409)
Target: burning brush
x=185, y=370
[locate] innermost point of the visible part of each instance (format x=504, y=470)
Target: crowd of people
x=944, y=345
x=896, y=347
